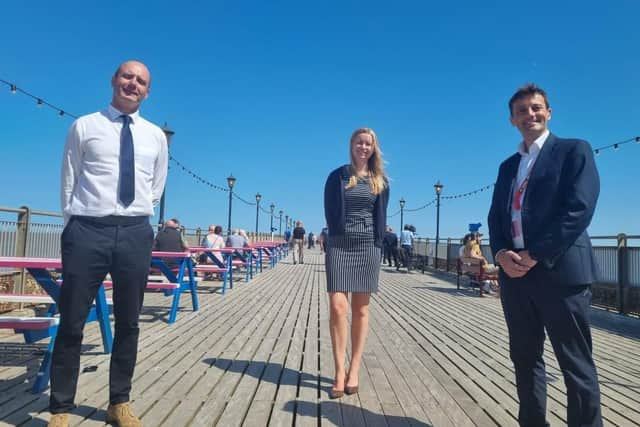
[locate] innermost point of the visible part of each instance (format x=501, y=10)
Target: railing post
x=448, y=251
x=22, y=230
x=623, y=272
x=198, y=236
x=426, y=251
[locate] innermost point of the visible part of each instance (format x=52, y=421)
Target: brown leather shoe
x=59, y=420
x=121, y=415
x=335, y=394
x=350, y=390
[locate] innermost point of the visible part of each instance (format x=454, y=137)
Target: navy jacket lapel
x=510, y=175
x=540, y=167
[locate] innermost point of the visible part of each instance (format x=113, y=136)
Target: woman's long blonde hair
x=375, y=163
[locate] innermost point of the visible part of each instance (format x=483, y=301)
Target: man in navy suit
x=543, y=201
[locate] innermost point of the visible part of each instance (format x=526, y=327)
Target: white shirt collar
x=114, y=114
x=536, y=146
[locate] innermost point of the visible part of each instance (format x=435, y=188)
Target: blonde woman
x=355, y=205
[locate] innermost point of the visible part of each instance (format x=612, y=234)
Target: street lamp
x=286, y=221
x=438, y=187
x=280, y=228
x=231, y=181
x=258, y=197
x=271, y=228
x=168, y=133
x=402, y=202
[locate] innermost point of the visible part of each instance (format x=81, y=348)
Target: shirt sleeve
x=160, y=171
x=71, y=164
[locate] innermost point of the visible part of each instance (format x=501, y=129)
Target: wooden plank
x=261, y=355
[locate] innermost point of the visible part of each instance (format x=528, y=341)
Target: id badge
x=516, y=229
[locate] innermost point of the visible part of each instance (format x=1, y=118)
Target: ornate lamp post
x=402, y=202
x=258, y=197
x=438, y=187
x=280, y=228
x=272, y=207
x=231, y=181
x=168, y=133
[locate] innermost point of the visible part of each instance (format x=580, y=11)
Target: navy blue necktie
x=127, y=172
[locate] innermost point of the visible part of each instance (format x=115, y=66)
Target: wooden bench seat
x=35, y=329
x=27, y=323
x=33, y=298
x=209, y=268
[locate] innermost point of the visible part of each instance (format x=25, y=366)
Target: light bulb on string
x=14, y=89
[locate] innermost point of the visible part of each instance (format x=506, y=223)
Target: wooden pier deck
x=261, y=355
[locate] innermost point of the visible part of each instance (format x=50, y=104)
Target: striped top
x=359, y=201
x=359, y=204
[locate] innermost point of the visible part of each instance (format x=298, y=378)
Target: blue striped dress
x=352, y=260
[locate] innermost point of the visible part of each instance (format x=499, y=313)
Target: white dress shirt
x=527, y=160
x=91, y=166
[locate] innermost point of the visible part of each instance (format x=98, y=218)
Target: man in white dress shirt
x=113, y=173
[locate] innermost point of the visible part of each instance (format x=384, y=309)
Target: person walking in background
x=312, y=240
x=298, y=242
x=355, y=204
x=543, y=201
x=114, y=169
x=406, y=243
x=323, y=238
x=390, y=247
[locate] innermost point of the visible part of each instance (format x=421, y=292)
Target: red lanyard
x=517, y=197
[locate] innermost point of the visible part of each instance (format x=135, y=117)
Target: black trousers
x=390, y=253
x=530, y=308
x=91, y=248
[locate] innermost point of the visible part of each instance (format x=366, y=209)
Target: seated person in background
x=466, y=239
x=472, y=250
x=243, y=233
x=213, y=240
x=170, y=239
x=236, y=240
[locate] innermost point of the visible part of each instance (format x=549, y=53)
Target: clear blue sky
x=271, y=91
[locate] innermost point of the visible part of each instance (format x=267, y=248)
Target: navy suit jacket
x=557, y=208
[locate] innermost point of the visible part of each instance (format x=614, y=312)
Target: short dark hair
x=218, y=229
x=525, y=91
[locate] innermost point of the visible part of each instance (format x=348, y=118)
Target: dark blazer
x=334, y=205
x=557, y=208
